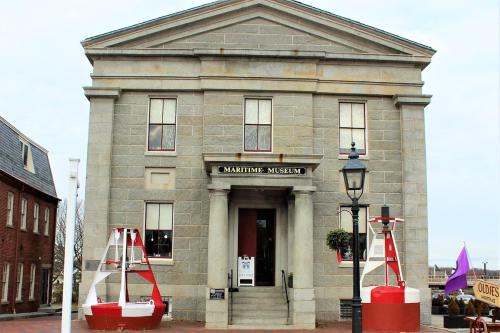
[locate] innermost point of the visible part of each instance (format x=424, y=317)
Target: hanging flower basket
x=338, y=240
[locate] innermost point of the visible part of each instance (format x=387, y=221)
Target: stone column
x=304, y=309
x=415, y=197
x=218, y=255
x=102, y=101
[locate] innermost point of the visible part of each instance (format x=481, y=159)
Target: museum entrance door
x=256, y=238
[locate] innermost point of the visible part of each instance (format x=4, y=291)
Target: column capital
x=422, y=100
x=96, y=92
x=219, y=188
x=303, y=189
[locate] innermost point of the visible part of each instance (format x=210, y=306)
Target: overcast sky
x=43, y=69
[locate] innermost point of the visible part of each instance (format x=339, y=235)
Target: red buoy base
x=109, y=317
x=403, y=317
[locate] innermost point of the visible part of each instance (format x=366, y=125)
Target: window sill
x=25, y=230
x=350, y=264
x=10, y=226
x=5, y=302
x=36, y=232
x=161, y=261
x=19, y=301
x=161, y=153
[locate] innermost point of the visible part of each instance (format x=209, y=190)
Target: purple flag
x=458, y=279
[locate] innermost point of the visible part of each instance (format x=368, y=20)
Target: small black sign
x=275, y=170
x=217, y=293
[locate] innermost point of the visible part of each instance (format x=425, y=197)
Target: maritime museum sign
x=262, y=170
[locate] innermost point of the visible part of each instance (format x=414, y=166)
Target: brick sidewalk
x=52, y=325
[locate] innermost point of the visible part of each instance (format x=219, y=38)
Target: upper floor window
x=162, y=121
x=352, y=127
x=258, y=124
x=36, y=216
x=46, y=222
x=24, y=211
x=10, y=209
x=345, y=221
x=5, y=282
x=159, y=230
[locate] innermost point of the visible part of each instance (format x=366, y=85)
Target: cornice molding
x=96, y=92
x=422, y=100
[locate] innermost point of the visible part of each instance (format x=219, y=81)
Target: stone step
x=258, y=314
x=247, y=294
x=260, y=289
x=257, y=300
x=259, y=327
x=259, y=306
x=253, y=322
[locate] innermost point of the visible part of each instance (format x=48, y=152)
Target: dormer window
x=27, y=157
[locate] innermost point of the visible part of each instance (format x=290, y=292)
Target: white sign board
x=246, y=271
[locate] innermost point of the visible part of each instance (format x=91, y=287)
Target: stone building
x=220, y=131
x=28, y=207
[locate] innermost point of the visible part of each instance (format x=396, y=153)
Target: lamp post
x=354, y=178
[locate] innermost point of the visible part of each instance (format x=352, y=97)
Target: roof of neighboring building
x=11, y=161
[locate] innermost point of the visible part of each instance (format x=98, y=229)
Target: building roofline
x=30, y=186
x=88, y=40
x=22, y=135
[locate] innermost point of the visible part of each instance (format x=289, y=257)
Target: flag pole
x=69, y=246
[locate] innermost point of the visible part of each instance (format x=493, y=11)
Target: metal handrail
x=283, y=277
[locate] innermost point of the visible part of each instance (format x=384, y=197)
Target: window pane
x=165, y=217
x=169, y=106
x=265, y=111
x=362, y=220
x=151, y=243
x=251, y=111
x=154, y=137
x=358, y=137
x=152, y=216
x=168, y=141
x=250, y=137
x=265, y=137
x=345, y=115
x=358, y=115
x=165, y=243
x=346, y=219
x=345, y=140
x=155, y=111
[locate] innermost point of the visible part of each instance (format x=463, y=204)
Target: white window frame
x=342, y=210
x=24, y=214
x=47, y=222
x=5, y=282
x=271, y=141
x=162, y=151
x=344, y=155
x=36, y=217
x=28, y=160
x=32, y=281
x=19, y=282
x=160, y=260
x=10, y=209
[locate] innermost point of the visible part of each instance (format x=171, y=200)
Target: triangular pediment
x=257, y=25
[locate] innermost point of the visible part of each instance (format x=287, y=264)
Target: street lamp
x=354, y=178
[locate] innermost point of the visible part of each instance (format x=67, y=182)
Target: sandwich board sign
x=487, y=292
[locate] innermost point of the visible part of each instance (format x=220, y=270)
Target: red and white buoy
x=129, y=258
x=394, y=308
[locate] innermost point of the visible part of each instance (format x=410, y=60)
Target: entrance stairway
x=259, y=307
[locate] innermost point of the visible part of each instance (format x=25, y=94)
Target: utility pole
x=69, y=252
x=484, y=268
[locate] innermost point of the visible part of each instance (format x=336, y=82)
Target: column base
x=304, y=308
x=216, y=311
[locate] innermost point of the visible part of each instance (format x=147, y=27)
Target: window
x=24, y=209
x=36, y=217
x=346, y=224
x=19, y=282
x=352, y=127
x=10, y=209
x=162, y=114
x=32, y=281
x=5, y=282
x=258, y=121
x=27, y=157
x=159, y=225
x=46, y=222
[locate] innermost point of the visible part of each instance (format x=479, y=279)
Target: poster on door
x=246, y=271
